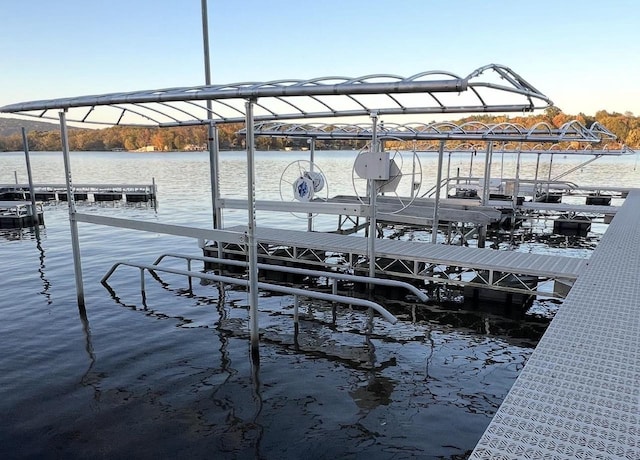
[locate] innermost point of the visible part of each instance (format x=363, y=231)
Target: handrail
x=266, y=286
x=302, y=271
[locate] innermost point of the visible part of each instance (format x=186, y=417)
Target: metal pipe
x=75, y=240
x=549, y=178
x=487, y=174
x=303, y=271
x=266, y=286
x=252, y=244
x=436, y=206
x=312, y=154
x=373, y=192
x=535, y=180
x=34, y=211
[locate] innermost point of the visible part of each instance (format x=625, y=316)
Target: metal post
x=549, y=178
x=75, y=241
x=516, y=186
x=312, y=154
x=535, y=180
x=251, y=236
x=34, y=211
x=212, y=130
x=448, y=173
x=436, y=206
x=373, y=192
x=487, y=174
x=15, y=176
x=482, y=229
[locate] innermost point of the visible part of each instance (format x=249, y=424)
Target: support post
x=34, y=211
x=212, y=129
x=549, y=177
x=252, y=244
x=482, y=229
x=373, y=192
x=75, y=240
x=312, y=155
x=436, y=206
x=535, y=180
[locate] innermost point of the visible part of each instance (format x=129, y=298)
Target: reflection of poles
x=45, y=282
x=251, y=236
x=34, y=211
x=75, y=241
x=436, y=206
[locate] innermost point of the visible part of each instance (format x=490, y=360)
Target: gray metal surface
x=491, y=88
x=481, y=259
x=578, y=396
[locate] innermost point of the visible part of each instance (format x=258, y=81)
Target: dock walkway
x=419, y=259
x=578, y=396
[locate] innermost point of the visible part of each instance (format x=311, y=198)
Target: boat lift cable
x=265, y=286
x=303, y=271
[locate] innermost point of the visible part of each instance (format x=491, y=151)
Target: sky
x=583, y=54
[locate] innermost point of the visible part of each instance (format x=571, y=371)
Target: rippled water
x=171, y=376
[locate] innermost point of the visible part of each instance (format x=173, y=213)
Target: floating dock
x=81, y=192
x=578, y=396
x=19, y=214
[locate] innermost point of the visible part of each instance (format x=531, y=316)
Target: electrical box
x=372, y=165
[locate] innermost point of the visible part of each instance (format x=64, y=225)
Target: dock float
x=19, y=214
x=578, y=396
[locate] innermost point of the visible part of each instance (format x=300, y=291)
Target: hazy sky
x=583, y=54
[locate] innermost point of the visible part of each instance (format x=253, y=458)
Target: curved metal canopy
x=542, y=132
x=492, y=88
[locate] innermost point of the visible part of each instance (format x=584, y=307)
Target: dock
x=81, y=192
x=578, y=395
x=416, y=260
x=19, y=214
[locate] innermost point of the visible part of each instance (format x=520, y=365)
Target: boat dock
x=18, y=214
x=578, y=395
x=506, y=271
x=131, y=193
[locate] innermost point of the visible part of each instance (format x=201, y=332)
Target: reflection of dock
x=81, y=192
x=577, y=396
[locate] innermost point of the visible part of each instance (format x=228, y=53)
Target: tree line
x=625, y=126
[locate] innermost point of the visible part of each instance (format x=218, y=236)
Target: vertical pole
x=487, y=174
x=212, y=130
x=312, y=157
x=436, y=206
x=252, y=243
x=482, y=230
x=34, y=211
x=446, y=188
x=516, y=186
x=549, y=178
x=373, y=192
x=535, y=180
x=75, y=241
x=15, y=176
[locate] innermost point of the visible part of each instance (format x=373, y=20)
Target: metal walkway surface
x=507, y=271
x=578, y=396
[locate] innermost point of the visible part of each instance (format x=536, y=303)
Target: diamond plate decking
x=579, y=394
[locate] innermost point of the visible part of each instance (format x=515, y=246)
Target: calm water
x=171, y=376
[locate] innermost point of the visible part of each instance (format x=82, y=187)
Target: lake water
x=172, y=377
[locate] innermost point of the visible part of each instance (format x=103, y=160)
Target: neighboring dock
x=19, y=214
x=578, y=395
x=81, y=192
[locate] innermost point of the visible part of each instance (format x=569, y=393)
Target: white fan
x=402, y=178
